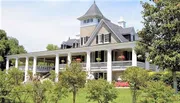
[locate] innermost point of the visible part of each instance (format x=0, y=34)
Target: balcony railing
x=38, y=68
x=116, y=65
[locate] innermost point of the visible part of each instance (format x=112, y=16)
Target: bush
x=166, y=77
x=101, y=91
x=157, y=92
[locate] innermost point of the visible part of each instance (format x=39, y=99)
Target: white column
x=146, y=62
x=134, y=57
x=7, y=64
x=69, y=58
x=88, y=62
x=34, y=65
x=57, y=67
x=109, y=66
x=26, y=69
x=16, y=63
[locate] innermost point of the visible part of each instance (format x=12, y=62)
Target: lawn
x=124, y=96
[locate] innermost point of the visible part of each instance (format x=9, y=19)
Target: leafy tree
x=21, y=93
x=52, y=75
x=136, y=77
x=160, y=36
x=52, y=47
x=101, y=91
x=8, y=82
x=5, y=87
x=15, y=76
x=8, y=46
x=73, y=78
x=56, y=92
x=157, y=92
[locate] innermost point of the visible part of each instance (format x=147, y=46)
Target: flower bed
x=121, y=84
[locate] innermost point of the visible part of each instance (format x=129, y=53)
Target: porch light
x=98, y=59
x=62, y=61
x=139, y=56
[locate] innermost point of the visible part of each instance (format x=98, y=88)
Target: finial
x=94, y=1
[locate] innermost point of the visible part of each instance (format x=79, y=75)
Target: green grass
x=124, y=96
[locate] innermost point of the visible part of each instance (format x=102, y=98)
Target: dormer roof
x=93, y=12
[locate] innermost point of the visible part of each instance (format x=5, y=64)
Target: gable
x=104, y=30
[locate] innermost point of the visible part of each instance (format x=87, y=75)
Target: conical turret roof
x=93, y=12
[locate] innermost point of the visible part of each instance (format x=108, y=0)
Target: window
x=98, y=20
x=81, y=40
x=84, y=21
x=91, y=20
x=87, y=20
x=100, y=38
x=106, y=38
x=103, y=38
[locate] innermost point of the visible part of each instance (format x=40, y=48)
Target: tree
x=52, y=47
x=8, y=82
x=101, y=91
x=136, y=77
x=73, y=78
x=56, y=92
x=160, y=36
x=8, y=46
x=157, y=92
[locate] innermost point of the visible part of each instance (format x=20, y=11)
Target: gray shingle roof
x=93, y=12
x=70, y=42
x=118, y=30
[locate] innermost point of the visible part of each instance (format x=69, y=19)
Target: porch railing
x=116, y=65
x=38, y=68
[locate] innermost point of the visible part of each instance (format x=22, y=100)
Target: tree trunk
x=74, y=95
x=174, y=81
x=134, y=95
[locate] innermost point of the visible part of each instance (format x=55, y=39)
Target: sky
x=37, y=23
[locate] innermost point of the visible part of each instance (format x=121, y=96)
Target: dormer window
x=103, y=38
x=84, y=40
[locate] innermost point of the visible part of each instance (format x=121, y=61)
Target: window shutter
x=96, y=55
x=96, y=39
x=102, y=38
x=102, y=56
x=81, y=41
x=87, y=38
x=109, y=37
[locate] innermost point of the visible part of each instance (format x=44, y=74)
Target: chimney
x=122, y=22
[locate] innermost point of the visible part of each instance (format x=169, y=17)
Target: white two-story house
x=104, y=50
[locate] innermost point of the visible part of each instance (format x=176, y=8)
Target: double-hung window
x=100, y=39
x=103, y=38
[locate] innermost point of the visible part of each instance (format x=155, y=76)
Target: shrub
x=157, y=92
x=101, y=91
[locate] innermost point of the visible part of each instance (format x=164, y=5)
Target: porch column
x=26, y=69
x=146, y=62
x=88, y=62
x=57, y=67
x=134, y=57
x=69, y=58
x=16, y=63
x=7, y=64
x=109, y=66
x=34, y=65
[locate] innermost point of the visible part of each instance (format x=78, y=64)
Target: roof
x=117, y=30
x=70, y=42
x=93, y=12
